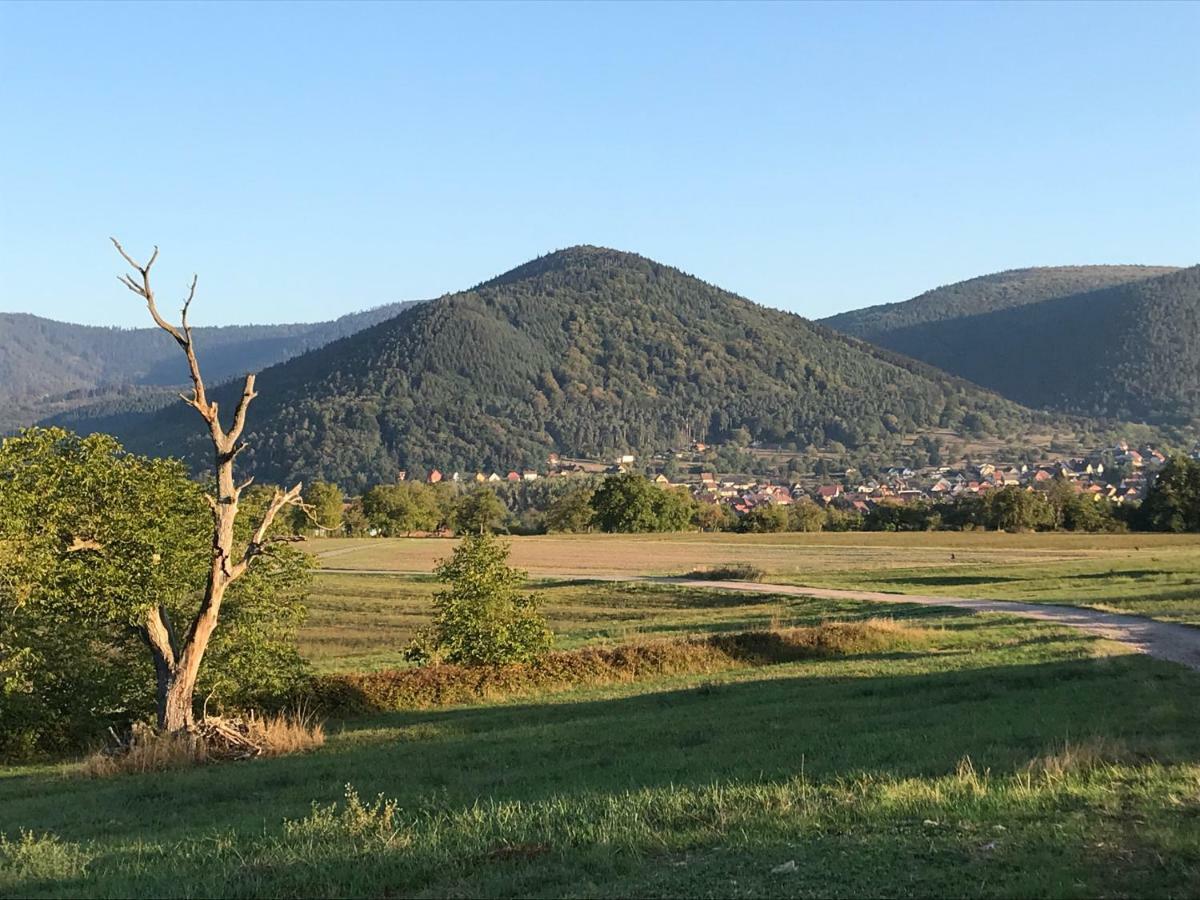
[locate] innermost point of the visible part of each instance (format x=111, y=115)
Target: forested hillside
x=49, y=367
x=988, y=293
x=1130, y=351
x=587, y=351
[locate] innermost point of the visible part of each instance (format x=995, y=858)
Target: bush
x=483, y=618
x=729, y=572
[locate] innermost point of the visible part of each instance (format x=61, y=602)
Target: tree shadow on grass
x=825, y=716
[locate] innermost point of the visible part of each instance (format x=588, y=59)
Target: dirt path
x=1177, y=643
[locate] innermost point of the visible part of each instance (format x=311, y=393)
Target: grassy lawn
x=881, y=774
x=1151, y=575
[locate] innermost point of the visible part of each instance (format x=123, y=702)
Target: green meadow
x=995, y=757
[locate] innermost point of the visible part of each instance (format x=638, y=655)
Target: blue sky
x=309, y=160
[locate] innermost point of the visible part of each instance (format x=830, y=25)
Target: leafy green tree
x=94, y=542
x=479, y=511
x=325, y=503
x=572, y=510
x=1173, y=502
x=627, y=503
x=1013, y=508
x=483, y=618
x=765, y=519
x=401, y=509
x=806, y=516
x=714, y=517
x=674, y=508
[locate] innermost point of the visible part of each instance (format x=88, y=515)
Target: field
x=1150, y=575
x=1001, y=757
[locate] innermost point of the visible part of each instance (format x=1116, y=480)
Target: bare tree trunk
x=177, y=664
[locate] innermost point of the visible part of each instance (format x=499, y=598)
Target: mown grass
x=855, y=767
x=1163, y=586
x=363, y=622
x=790, y=554
x=1141, y=574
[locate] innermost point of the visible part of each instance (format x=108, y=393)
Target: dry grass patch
x=1080, y=756
x=447, y=685
x=215, y=739
x=147, y=750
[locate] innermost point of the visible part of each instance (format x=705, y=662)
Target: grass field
x=947, y=771
x=1002, y=758
x=1151, y=575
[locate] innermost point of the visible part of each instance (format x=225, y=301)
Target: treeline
x=631, y=503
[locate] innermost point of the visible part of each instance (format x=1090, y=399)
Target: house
x=402, y=475
x=529, y=475
x=512, y=477
x=435, y=476
x=662, y=479
x=480, y=477
x=493, y=478
x=625, y=460
x=828, y=493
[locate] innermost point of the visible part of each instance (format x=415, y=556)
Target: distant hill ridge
x=987, y=293
x=586, y=351
x=49, y=367
x=1110, y=341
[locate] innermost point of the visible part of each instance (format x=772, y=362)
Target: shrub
x=729, y=572
x=483, y=618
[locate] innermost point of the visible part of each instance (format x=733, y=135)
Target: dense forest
x=588, y=352
x=1130, y=351
x=987, y=293
x=55, y=368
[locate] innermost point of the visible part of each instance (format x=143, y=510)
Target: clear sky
x=313, y=159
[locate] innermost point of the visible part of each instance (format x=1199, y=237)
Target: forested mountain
x=587, y=351
x=49, y=367
x=1129, y=351
x=988, y=293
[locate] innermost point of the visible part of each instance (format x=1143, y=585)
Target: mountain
x=1128, y=349
x=587, y=351
x=49, y=367
x=987, y=293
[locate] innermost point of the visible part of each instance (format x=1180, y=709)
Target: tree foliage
x=1173, y=503
x=90, y=538
x=478, y=511
x=483, y=617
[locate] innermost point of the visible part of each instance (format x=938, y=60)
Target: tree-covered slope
x=49, y=367
x=1130, y=351
x=988, y=293
x=587, y=351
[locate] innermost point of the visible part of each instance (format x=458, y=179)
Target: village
x=1117, y=475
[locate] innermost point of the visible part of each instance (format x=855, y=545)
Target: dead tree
x=177, y=662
